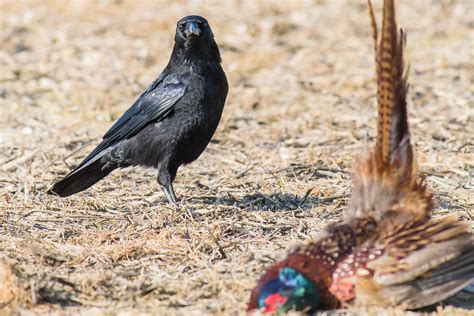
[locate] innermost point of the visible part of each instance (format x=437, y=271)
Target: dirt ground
x=300, y=106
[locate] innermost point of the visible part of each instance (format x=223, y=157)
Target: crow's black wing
x=154, y=104
x=134, y=108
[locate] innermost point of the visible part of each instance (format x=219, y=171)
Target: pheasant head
x=290, y=290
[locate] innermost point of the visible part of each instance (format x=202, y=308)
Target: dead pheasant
x=388, y=251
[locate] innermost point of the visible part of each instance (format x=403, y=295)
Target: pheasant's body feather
x=402, y=256
x=388, y=251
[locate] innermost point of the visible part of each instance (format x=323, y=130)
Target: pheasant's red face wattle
x=273, y=302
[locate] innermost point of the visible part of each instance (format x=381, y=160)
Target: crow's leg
x=169, y=192
x=165, y=179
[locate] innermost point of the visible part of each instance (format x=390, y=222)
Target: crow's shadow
x=270, y=202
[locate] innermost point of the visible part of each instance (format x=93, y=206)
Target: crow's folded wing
x=153, y=105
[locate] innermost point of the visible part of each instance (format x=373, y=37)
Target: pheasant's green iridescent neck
x=291, y=291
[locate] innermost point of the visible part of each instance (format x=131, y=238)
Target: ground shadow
x=270, y=202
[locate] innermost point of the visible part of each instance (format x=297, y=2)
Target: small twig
x=19, y=161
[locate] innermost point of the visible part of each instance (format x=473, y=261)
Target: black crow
x=171, y=123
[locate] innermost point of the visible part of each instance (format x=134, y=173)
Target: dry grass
x=301, y=105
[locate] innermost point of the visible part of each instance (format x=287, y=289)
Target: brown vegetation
x=301, y=105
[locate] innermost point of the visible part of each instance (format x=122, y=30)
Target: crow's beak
x=192, y=29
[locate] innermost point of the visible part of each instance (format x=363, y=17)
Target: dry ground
x=301, y=105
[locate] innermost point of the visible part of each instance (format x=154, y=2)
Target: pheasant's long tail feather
x=392, y=87
x=387, y=180
x=373, y=24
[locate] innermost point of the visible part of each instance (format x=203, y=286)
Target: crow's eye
x=203, y=25
x=181, y=27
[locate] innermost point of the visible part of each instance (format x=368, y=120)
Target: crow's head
x=193, y=33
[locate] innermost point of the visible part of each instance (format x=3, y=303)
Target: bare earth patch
x=301, y=106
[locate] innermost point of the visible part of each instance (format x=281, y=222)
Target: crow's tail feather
x=78, y=181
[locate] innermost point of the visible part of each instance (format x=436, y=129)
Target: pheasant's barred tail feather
x=391, y=87
x=373, y=24
x=386, y=181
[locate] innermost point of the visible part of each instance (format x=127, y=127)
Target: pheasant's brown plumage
x=388, y=251
x=389, y=175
